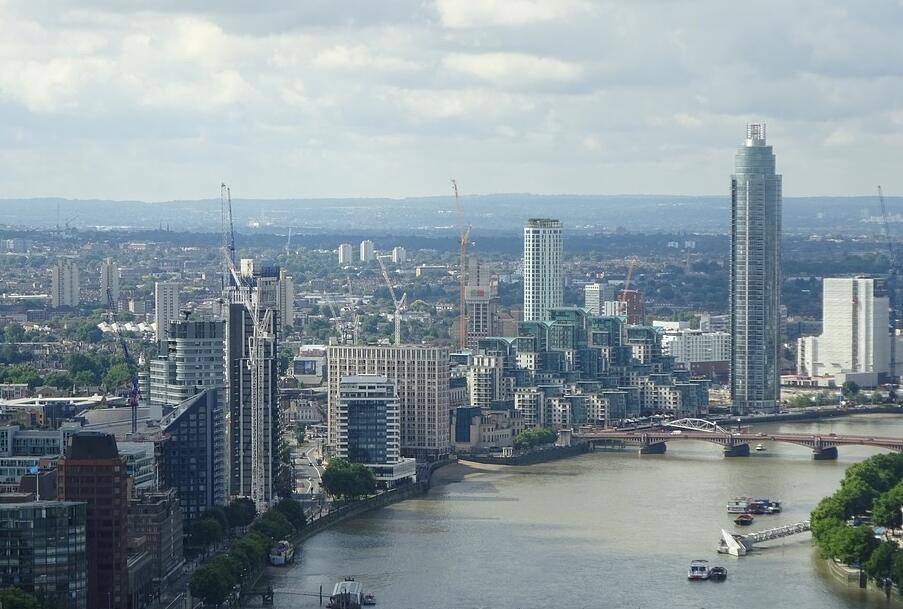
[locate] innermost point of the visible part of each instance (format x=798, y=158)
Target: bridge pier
x=825, y=454
x=737, y=450
x=658, y=448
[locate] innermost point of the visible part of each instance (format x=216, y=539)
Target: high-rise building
x=191, y=360
x=193, y=454
x=755, y=276
x=420, y=374
x=64, y=284
x=156, y=516
x=166, y=303
x=366, y=251
x=855, y=340
x=345, y=255
x=93, y=472
x=633, y=306
x=481, y=301
x=252, y=355
x=543, y=281
x=399, y=255
x=484, y=378
x=369, y=429
x=109, y=280
x=273, y=287
x=43, y=549
x=286, y=298
x=595, y=294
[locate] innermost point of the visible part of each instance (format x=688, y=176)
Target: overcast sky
x=163, y=100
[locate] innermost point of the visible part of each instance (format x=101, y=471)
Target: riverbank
x=532, y=457
x=810, y=414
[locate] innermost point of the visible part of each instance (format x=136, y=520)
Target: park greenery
x=348, y=481
x=16, y=598
x=873, y=488
x=215, y=581
x=531, y=438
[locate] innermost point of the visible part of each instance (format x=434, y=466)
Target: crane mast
x=399, y=304
x=134, y=389
x=891, y=284
x=463, y=236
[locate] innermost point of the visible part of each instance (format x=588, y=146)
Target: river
x=606, y=529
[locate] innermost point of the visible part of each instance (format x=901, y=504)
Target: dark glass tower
x=755, y=276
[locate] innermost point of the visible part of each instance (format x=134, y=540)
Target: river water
x=606, y=529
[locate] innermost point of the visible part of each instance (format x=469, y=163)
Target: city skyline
x=344, y=99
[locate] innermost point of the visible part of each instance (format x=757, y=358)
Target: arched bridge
x=736, y=444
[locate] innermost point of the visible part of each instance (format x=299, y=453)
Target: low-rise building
x=476, y=430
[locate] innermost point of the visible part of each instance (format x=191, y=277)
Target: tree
x=60, y=380
x=14, y=333
x=21, y=373
x=206, y=532
x=853, y=545
x=849, y=389
x=856, y=496
x=886, y=510
x=116, y=376
x=348, y=481
x=241, y=512
x=16, y=598
x=273, y=525
x=208, y=585
x=219, y=515
x=293, y=512
x=531, y=438
x=880, y=564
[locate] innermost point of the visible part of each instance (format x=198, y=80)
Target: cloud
x=483, y=13
x=513, y=69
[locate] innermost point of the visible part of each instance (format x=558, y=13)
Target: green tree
x=229, y=567
x=853, y=545
x=241, y=512
x=273, y=525
x=14, y=333
x=896, y=572
x=16, y=598
x=206, y=532
x=219, y=515
x=849, y=389
x=348, y=481
x=886, y=509
x=116, y=376
x=293, y=512
x=856, y=496
x=880, y=564
x=60, y=380
x=208, y=585
x=21, y=373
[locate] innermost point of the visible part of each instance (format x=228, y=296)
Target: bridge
x=735, y=443
x=736, y=544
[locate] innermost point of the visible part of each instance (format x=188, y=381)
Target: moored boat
x=760, y=447
x=282, y=553
x=738, y=505
x=718, y=574
x=744, y=519
x=699, y=570
x=347, y=594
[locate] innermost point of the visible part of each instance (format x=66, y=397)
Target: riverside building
x=755, y=276
x=543, y=282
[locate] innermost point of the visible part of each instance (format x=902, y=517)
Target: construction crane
x=355, y=318
x=630, y=265
x=463, y=236
x=399, y=304
x=259, y=360
x=891, y=283
x=134, y=389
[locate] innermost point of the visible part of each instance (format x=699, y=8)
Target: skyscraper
x=286, y=299
x=755, y=276
x=109, y=280
x=345, y=253
x=166, y=307
x=543, y=283
x=64, y=284
x=366, y=250
x=482, y=302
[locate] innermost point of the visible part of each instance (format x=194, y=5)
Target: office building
x=64, y=284
x=484, y=378
x=399, y=255
x=702, y=353
x=109, y=281
x=286, y=298
x=345, y=255
x=421, y=377
x=93, y=472
x=481, y=301
x=166, y=307
x=193, y=454
x=855, y=342
x=368, y=428
x=252, y=373
x=755, y=279
x=157, y=516
x=43, y=549
x=595, y=294
x=366, y=251
x=192, y=359
x=543, y=281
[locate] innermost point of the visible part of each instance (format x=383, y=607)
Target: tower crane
x=891, y=283
x=134, y=389
x=399, y=304
x=631, y=263
x=463, y=236
x=355, y=318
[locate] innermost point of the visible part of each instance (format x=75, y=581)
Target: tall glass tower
x=755, y=276
x=543, y=283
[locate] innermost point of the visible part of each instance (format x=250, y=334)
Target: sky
x=343, y=98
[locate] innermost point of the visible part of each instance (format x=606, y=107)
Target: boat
x=744, y=519
x=699, y=570
x=347, y=594
x=369, y=599
x=738, y=505
x=760, y=447
x=282, y=553
x=774, y=507
x=718, y=574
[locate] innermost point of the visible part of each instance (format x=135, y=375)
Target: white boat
x=699, y=569
x=282, y=553
x=347, y=594
x=738, y=505
x=760, y=447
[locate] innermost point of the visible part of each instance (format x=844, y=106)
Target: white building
x=543, y=281
x=286, y=298
x=64, y=284
x=399, y=255
x=368, y=428
x=166, y=307
x=594, y=294
x=345, y=253
x=366, y=251
x=109, y=280
x=856, y=341
x=484, y=380
x=696, y=346
x=421, y=377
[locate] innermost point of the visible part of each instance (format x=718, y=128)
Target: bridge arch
x=696, y=425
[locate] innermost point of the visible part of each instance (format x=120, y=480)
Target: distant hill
x=486, y=213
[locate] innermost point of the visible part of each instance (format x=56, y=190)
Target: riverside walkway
x=735, y=443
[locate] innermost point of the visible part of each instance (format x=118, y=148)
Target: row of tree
x=348, y=481
x=876, y=486
x=531, y=438
x=217, y=578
